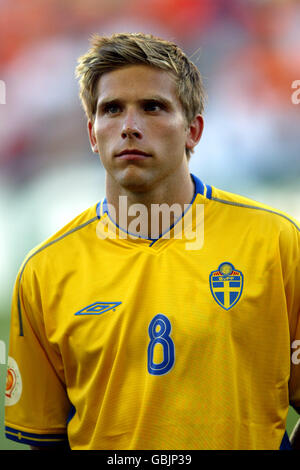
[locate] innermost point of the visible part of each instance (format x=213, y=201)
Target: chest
x=206, y=300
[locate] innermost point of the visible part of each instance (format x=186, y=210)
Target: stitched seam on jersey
x=292, y=271
x=293, y=268
x=21, y=333
x=248, y=206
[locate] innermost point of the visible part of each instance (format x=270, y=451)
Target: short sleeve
x=293, y=302
x=36, y=402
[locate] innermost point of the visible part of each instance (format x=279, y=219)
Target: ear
x=194, y=132
x=92, y=137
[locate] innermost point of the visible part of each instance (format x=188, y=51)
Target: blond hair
x=119, y=50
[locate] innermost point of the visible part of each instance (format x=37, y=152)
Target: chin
x=136, y=179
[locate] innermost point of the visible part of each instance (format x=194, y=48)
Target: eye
x=112, y=108
x=153, y=106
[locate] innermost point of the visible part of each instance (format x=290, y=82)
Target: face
x=140, y=130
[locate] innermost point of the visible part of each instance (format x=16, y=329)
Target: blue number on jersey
x=162, y=336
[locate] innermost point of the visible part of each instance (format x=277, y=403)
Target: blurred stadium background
x=248, y=53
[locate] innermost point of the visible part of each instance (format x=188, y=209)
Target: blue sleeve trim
x=35, y=439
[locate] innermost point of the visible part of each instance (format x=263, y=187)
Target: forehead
x=137, y=82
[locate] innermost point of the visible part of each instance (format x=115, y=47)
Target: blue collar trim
x=200, y=188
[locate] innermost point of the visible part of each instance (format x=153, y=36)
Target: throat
x=150, y=214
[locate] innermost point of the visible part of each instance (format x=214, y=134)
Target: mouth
x=133, y=154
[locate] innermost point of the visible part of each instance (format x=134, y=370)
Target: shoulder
x=254, y=211
x=63, y=241
x=258, y=224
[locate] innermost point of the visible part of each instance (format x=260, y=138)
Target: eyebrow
x=112, y=100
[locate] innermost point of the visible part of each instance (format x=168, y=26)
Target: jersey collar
x=200, y=188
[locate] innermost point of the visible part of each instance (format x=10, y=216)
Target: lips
x=132, y=154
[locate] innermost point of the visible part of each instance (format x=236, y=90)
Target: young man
x=154, y=332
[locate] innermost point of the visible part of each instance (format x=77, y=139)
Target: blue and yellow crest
x=226, y=285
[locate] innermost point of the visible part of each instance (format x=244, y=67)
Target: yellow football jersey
x=121, y=342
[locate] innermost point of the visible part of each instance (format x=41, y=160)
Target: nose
x=131, y=127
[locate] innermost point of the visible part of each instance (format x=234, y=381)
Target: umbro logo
x=98, y=308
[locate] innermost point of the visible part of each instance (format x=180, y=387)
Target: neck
x=150, y=212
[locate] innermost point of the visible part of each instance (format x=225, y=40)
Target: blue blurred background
x=248, y=53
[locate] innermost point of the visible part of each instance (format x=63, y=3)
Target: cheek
x=172, y=133
x=105, y=133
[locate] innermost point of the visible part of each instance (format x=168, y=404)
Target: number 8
x=162, y=336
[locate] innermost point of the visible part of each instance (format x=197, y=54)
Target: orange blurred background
x=248, y=54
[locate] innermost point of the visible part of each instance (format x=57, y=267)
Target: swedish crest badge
x=226, y=285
